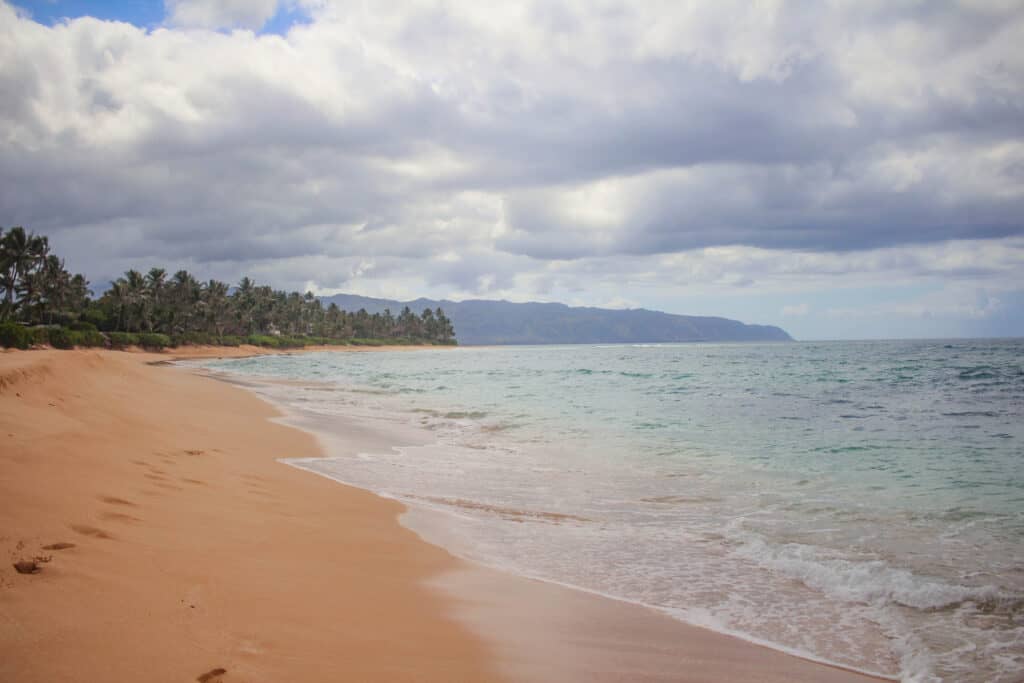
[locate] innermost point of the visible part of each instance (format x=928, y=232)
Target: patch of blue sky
x=143, y=13
x=288, y=15
x=146, y=14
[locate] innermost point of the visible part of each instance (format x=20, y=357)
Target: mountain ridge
x=488, y=321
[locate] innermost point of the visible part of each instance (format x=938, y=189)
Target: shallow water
x=857, y=502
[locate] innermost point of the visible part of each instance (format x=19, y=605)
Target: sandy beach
x=170, y=545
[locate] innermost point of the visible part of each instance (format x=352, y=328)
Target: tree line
x=174, y=309
x=36, y=285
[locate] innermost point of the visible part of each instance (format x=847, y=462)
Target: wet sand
x=191, y=550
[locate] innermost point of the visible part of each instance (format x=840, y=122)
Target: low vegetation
x=42, y=303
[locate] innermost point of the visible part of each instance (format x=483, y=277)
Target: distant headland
x=481, y=321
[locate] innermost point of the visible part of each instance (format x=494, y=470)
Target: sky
x=840, y=169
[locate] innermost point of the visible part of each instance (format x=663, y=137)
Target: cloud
x=215, y=14
x=525, y=150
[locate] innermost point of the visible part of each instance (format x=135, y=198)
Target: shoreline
x=195, y=550
x=458, y=591
x=208, y=351
x=200, y=352
x=662, y=630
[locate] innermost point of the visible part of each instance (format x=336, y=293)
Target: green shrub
x=262, y=340
x=82, y=326
x=199, y=338
x=13, y=335
x=397, y=341
x=152, y=340
x=61, y=338
x=280, y=342
x=205, y=339
x=119, y=340
x=316, y=341
x=89, y=338
x=95, y=316
x=290, y=342
x=40, y=335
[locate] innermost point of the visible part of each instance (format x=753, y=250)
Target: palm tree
x=216, y=305
x=155, y=310
x=23, y=260
x=262, y=309
x=409, y=324
x=137, y=300
x=428, y=328
x=16, y=257
x=245, y=304
x=78, y=293
x=121, y=299
x=53, y=288
x=183, y=301
x=445, y=329
x=311, y=313
x=361, y=323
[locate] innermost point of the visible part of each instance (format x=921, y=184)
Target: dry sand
x=192, y=550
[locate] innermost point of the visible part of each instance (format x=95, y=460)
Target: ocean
x=859, y=503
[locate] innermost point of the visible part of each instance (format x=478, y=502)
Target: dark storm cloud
x=769, y=209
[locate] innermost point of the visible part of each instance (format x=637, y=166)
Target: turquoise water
x=858, y=502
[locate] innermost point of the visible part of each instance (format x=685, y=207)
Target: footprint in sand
x=87, y=530
x=59, y=546
x=193, y=481
x=114, y=500
x=119, y=517
x=156, y=477
x=27, y=567
x=212, y=676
